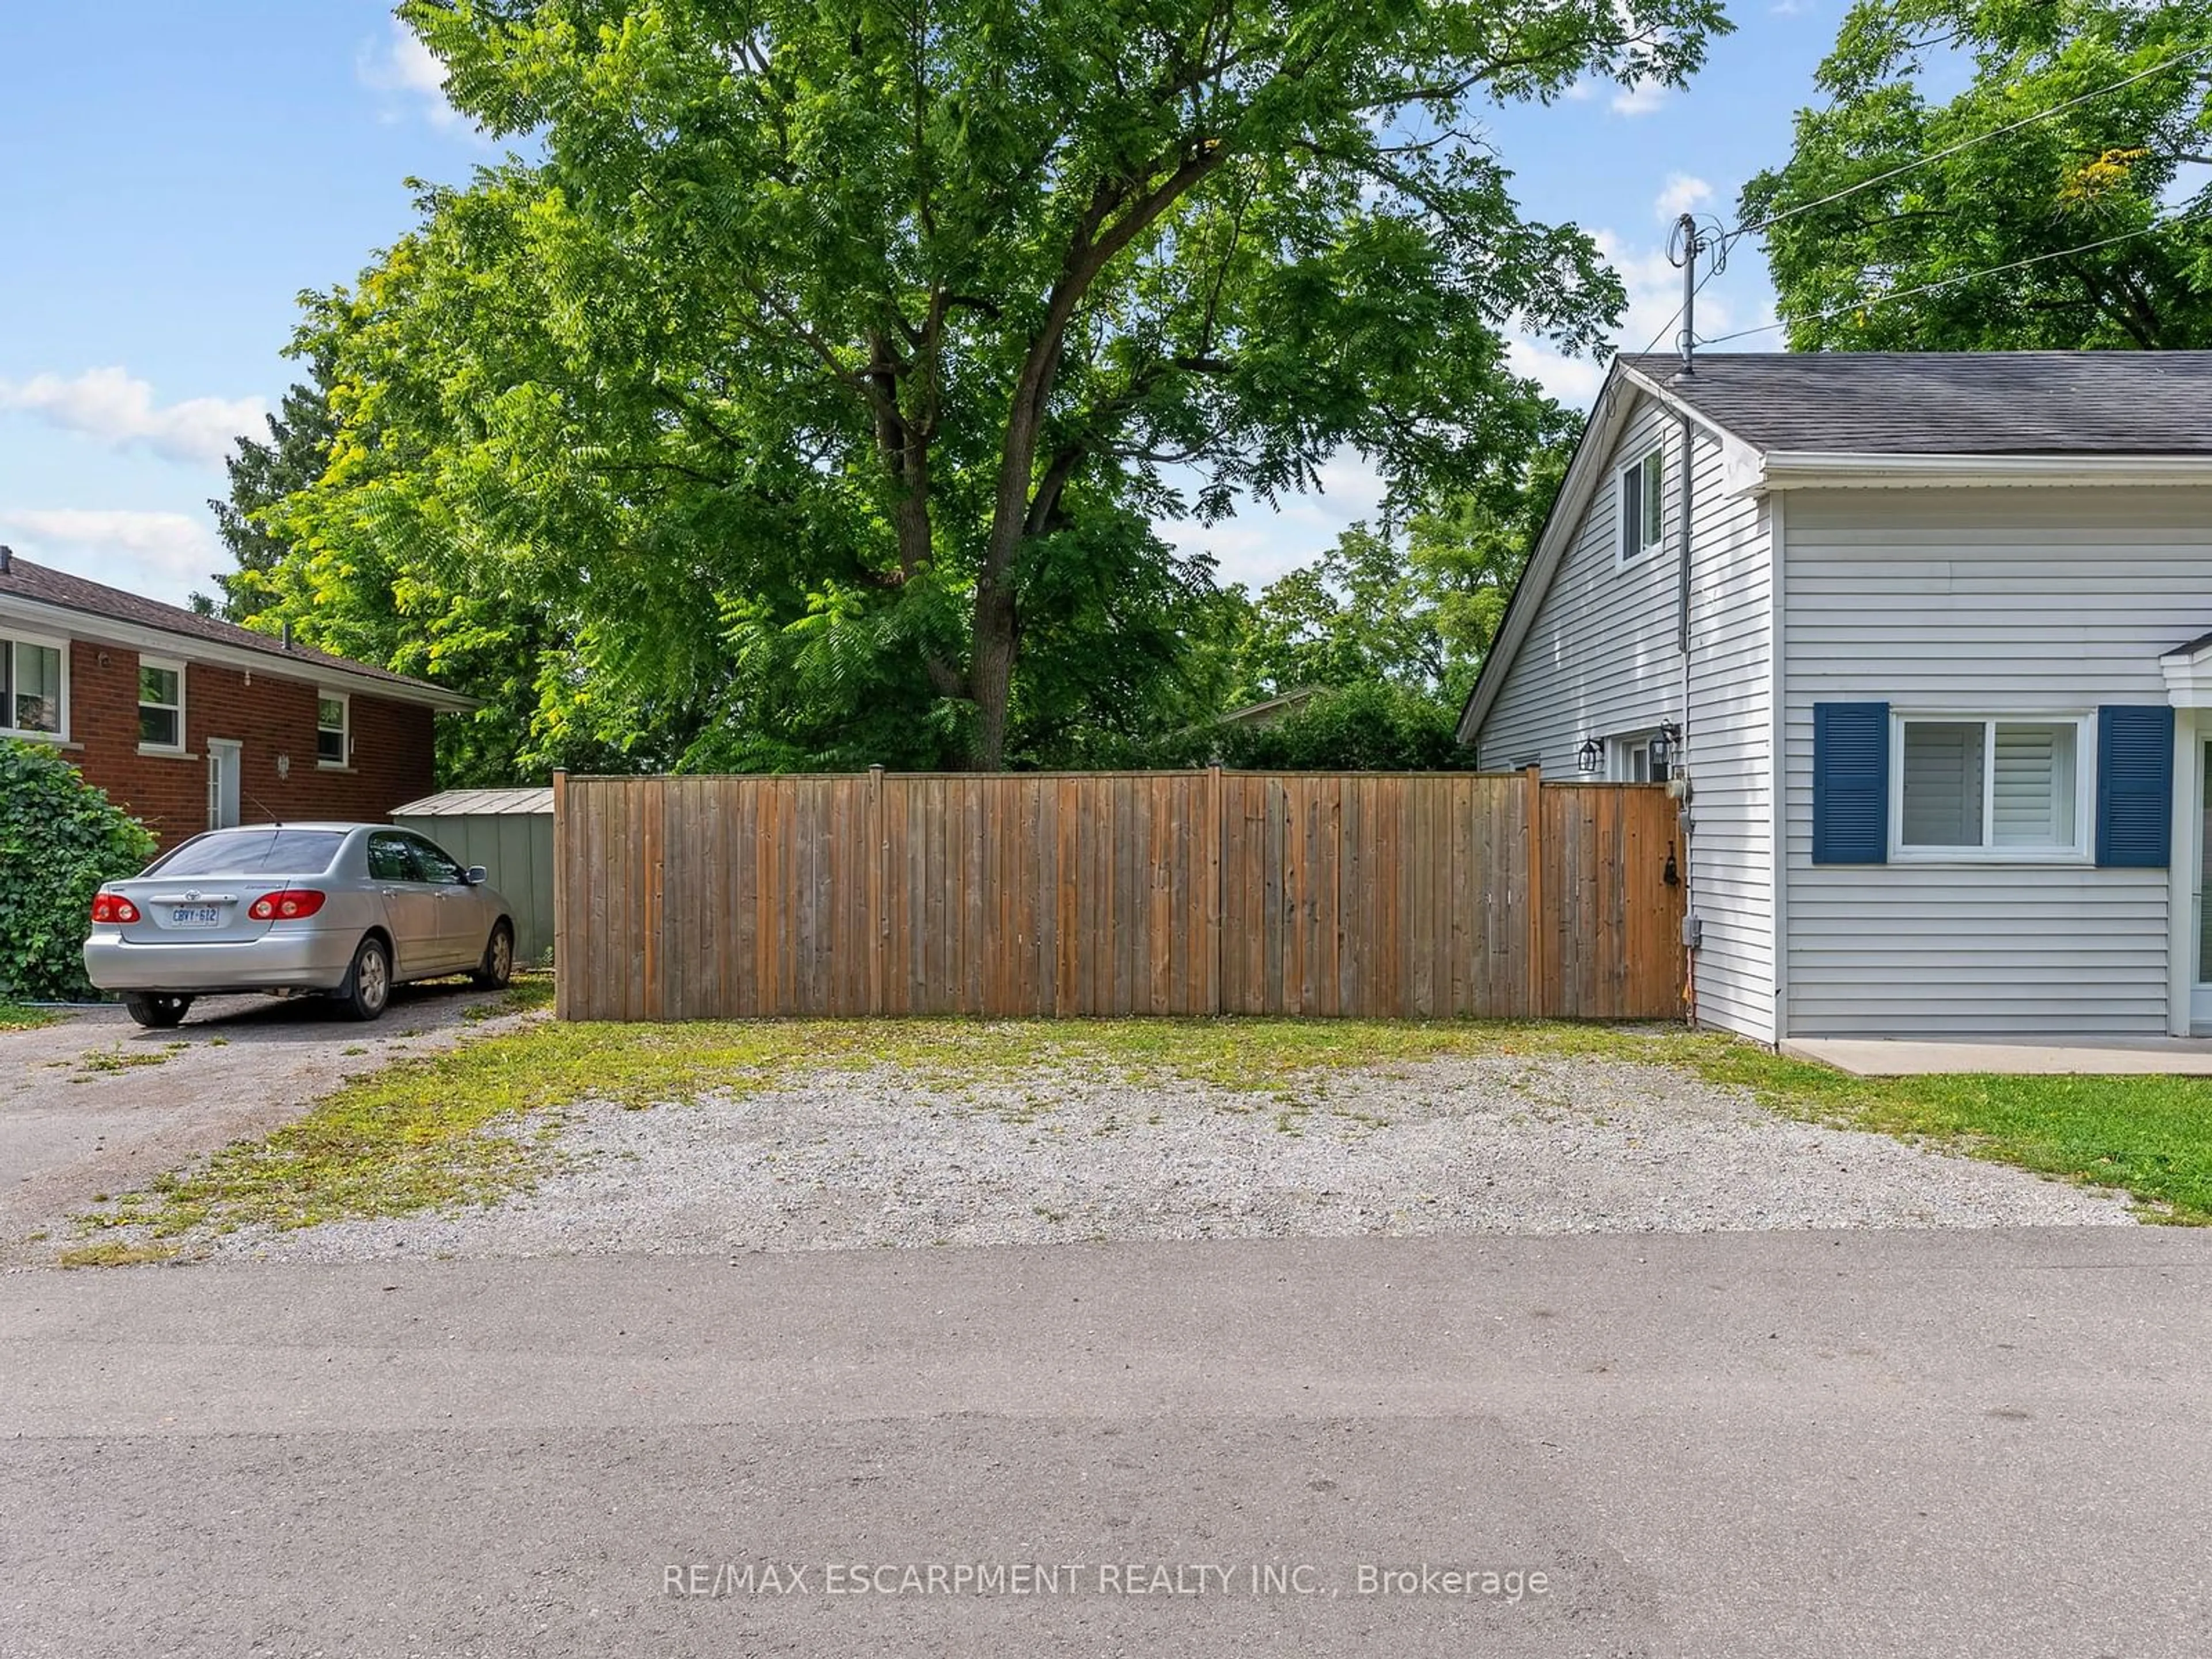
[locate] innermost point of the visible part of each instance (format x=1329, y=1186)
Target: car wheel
x=367, y=986
x=158, y=1011
x=497, y=968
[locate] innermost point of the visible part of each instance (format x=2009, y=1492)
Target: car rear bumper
x=302, y=960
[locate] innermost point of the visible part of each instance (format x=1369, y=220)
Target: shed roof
x=1951, y=403
x=478, y=802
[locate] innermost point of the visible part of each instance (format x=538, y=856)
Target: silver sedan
x=346, y=909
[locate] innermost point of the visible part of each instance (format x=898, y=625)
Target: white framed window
x=33, y=687
x=1643, y=506
x=1999, y=787
x=1632, y=761
x=333, y=728
x=160, y=704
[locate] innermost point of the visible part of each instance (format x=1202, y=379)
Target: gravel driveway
x=1504, y=1145
x=95, y=1105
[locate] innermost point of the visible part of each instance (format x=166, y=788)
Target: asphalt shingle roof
x=56, y=587
x=1954, y=403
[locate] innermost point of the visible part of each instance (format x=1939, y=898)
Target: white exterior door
x=222, y=759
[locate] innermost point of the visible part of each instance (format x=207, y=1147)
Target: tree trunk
x=991, y=674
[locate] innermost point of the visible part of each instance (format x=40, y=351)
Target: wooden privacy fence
x=1389, y=895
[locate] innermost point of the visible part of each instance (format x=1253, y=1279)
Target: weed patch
x=441, y=1132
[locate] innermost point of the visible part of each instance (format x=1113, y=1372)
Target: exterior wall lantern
x=1664, y=742
x=1590, y=756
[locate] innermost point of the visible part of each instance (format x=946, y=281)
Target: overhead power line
x=1726, y=237
x=1773, y=219
x=1873, y=300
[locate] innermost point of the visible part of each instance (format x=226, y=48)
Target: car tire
x=157, y=1011
x=367, y=988
x=496, y=971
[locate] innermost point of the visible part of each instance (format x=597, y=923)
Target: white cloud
x=1580, y=91
x=163, y=556
x=1728, y=303
x=109, y=406
x=1571, y=379
x=1259, y=544
x=1640, y=99
x=1683, y=194
x=1790, y=8
x=402, y=65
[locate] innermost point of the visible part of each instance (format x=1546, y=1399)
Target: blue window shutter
x=2135, y=786
x=1850, y=783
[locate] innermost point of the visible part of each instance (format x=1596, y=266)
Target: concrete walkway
x=2010, y=1056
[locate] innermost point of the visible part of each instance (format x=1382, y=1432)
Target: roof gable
x=1951, y=411
x=1616, y=404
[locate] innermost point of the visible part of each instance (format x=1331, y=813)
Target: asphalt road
x=1860, y=1444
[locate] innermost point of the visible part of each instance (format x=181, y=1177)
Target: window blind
x=1943, y=803
x=2031, y=786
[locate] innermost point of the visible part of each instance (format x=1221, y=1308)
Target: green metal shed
x=510, y=833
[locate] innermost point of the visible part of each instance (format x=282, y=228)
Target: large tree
x=885, y=329
x=509, y=505
x=2084, y=208
x=1417, y=609
x=264, y=473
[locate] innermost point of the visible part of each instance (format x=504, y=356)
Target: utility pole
x=1687, y=245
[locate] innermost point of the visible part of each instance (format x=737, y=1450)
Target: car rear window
x=249, y=851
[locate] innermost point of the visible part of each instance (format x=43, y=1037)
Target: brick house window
x=32, y=677
x=333, y=734
x=160, y=704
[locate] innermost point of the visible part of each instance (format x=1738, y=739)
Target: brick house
x=191, y=723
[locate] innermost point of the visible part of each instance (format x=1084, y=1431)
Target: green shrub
x=1368, y=727
x=59, y=839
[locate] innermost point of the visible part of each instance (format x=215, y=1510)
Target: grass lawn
x=413, y=1137
x=14, y=1017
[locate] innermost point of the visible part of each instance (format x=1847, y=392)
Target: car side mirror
x=476, y=876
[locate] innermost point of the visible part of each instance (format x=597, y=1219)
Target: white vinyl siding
x=1728, y=749
x=2011, y=606
x=1602, y=659
x=1599, y=659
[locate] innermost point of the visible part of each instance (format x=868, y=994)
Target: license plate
x=196, y=916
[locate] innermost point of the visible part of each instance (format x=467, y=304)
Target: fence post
x=878, y=924
x=1532, y=807
x=562, y=1005
x=1218, y=910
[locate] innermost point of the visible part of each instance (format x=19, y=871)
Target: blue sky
x=172, y=177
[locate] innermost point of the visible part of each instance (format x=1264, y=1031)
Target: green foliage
x=811, y=402
x=1360, y=728
x=2106, y=169
x=262, y=474
x=1419, y=613
x=59, y=839
x=1372, y=726
x=1390, y=631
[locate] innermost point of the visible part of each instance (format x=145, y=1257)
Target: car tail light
x=114, y=910
x=290, y=905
